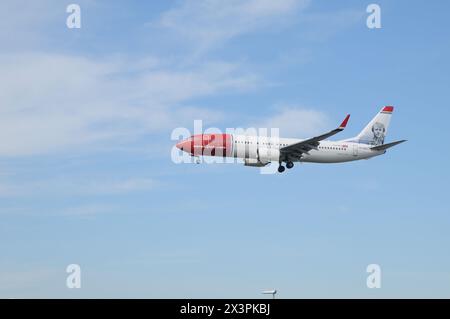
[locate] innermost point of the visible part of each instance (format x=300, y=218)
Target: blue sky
x=86, y=175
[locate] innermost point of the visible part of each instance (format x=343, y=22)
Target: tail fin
x=375, y=132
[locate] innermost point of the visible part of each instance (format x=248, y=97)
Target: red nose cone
x=184, y=146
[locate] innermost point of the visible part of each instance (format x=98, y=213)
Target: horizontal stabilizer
x=386, y=146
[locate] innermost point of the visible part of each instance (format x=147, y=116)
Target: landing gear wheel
x=280, y=169
x=289, y=165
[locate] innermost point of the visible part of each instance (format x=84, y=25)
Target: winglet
x=344, y=123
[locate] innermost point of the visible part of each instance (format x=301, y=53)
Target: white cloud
x=51, y=102
x=54, y=102
x=121, y=186
x=78, y=187
x=207, y=23
x=89, y=210
x=294, y=121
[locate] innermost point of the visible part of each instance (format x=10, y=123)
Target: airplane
x=259, y=151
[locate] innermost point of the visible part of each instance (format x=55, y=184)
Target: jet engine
x=254, y=162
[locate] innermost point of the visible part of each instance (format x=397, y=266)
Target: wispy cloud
x=72, y=101
x=87, y=211
x=51, y=102
x=297, y=121
x=78, y=187
x=208, y=23
x=121, y=186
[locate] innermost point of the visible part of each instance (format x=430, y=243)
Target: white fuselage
x=259, y=151
x=248, y=147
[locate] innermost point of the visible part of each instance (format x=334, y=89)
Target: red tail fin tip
x=388, y=109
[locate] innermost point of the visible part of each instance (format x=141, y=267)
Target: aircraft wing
x=303, y=147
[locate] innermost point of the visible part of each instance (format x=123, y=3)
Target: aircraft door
x=355, y=149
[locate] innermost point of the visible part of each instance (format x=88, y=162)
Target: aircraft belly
x=326, y=157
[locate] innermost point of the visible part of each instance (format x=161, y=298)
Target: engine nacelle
x=254, y=162
x=266, y=155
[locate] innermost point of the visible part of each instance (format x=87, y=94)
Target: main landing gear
x=281, y=168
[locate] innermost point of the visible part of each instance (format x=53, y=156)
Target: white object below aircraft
x=259, y=151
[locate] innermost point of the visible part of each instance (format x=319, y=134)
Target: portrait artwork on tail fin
x=379, y=132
